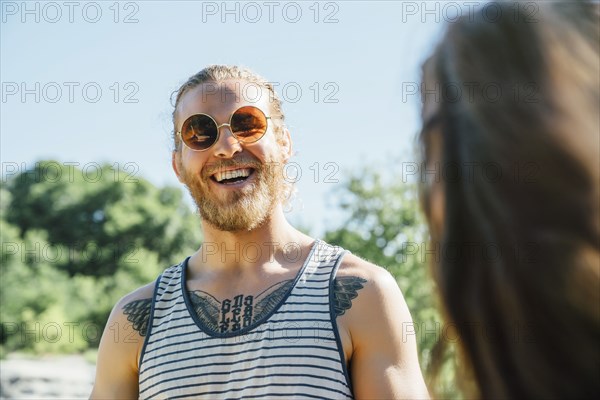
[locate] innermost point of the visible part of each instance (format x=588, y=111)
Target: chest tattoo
x=230, y=315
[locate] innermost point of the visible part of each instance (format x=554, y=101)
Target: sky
x=90, y=82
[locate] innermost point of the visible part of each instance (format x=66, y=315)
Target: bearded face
x=236, y=185
x=249, y=205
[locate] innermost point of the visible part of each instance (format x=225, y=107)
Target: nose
x=227, y=145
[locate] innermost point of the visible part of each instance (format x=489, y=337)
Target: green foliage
x=101, y=217
x=73, y=243
x=384, y=225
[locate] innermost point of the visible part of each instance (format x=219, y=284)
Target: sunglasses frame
x=267, y=118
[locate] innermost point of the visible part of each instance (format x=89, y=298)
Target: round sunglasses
x=199, y=132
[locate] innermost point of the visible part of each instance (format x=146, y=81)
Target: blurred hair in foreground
x=528, y=313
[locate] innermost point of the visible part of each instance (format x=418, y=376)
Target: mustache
x=240, y=162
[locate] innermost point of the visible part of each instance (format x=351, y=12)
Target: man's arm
x=384, y=361
x=120, y=346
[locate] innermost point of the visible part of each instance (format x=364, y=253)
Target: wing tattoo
x=207, y=308
x=138, y=313
x=345, y=289
x=270, y=298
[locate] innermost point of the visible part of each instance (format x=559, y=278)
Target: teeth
x=238, y=173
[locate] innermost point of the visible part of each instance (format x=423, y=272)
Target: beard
x=241, y=210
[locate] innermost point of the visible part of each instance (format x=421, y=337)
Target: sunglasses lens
x=199, y=132
x=248, y=124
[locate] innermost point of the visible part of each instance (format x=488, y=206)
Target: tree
x=100, y=217
x=73, y=242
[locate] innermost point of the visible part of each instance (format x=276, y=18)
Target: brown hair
x=528, y=315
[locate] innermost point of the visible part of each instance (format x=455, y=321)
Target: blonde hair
x=220, y=73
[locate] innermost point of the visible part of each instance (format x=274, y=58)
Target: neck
x=242, y=251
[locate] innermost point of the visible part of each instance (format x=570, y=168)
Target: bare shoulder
x=375, y=289
x=141, y=295
x=384, y=359
x=373, y=277
x=131, y=314
x=352, y=264
x=121, y=344
x=143, y=292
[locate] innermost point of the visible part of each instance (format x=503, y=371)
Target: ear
x=286, y=144
x=176, y=164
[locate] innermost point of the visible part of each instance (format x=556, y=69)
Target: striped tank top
x=293, y=352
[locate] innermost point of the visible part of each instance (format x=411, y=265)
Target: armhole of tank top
x=332, y=316
x=150, y=323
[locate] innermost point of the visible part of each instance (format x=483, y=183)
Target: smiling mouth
x=232, y=176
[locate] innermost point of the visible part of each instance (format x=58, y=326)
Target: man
x=260, y=310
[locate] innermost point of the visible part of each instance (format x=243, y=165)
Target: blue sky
x=98, y=76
